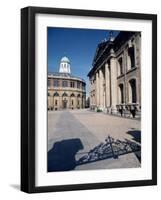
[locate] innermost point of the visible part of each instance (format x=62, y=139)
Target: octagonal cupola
x=64, y=65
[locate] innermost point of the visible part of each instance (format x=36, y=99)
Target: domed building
x=64, y=65
x=65, y=91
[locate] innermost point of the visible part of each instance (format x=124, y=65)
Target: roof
x=65, y=59
x=103, y=48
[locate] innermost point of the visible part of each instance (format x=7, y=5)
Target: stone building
x=65, y=91
x=115, y=76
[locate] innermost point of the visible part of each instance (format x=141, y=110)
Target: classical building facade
x=115, y=77
x=65, y=91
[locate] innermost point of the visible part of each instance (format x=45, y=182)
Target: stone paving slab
x=125, y=161
x=66, y=126
x=89, y=129
x=102, y=125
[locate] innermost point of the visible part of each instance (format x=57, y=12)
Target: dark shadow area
x=137, y=153
x=62, y=156
x=110, y=149
x=136, y=134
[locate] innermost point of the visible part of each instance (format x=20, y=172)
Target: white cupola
x=64, y=65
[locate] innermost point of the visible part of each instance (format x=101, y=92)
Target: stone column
x=126, y=87
x=113, y=74
x=53, y=100
x=81, y=101
x=60, y=101
x=91, y=92
x=84, y=98
x=97, y=89
x=101, y=88
x=104, y=99
x=107, y=85
x=94, y=99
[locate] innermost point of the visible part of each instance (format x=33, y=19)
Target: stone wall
x=66, y=97
x=115, y=85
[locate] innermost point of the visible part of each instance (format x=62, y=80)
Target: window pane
x=48, y=83
x=56, y=83
x=72, y=84
x=64, y=84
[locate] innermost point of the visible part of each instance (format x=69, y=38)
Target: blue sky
x=79, y=45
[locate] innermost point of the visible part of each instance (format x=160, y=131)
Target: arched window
x=56, y=94
x=56, y=102
x=121, y=93
x=78, y=95
x=72, y=95
x=131, y=54
x=64, y=94
x=132, y=91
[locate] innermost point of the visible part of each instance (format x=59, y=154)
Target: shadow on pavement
x=62, y=156
x=110, y=149
x=136, y=134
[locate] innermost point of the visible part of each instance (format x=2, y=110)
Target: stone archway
x=72, y=101
x=56, y=102
x=64, y=101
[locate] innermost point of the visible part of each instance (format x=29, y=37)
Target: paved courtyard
x=72, y=134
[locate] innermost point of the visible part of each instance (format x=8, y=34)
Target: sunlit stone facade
x=115, y=77
x=65, y=91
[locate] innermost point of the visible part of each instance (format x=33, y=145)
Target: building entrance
x=64, y=104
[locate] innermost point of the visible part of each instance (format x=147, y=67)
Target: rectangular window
x=78, y=85
x=83, y=86
x=64, y=83
x=72, y=84
x=48, y=83
x=56, y=83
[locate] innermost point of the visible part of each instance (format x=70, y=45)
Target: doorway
x=64, y=104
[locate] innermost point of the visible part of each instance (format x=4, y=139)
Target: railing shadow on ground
x=110, y=149
x=62, y=156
